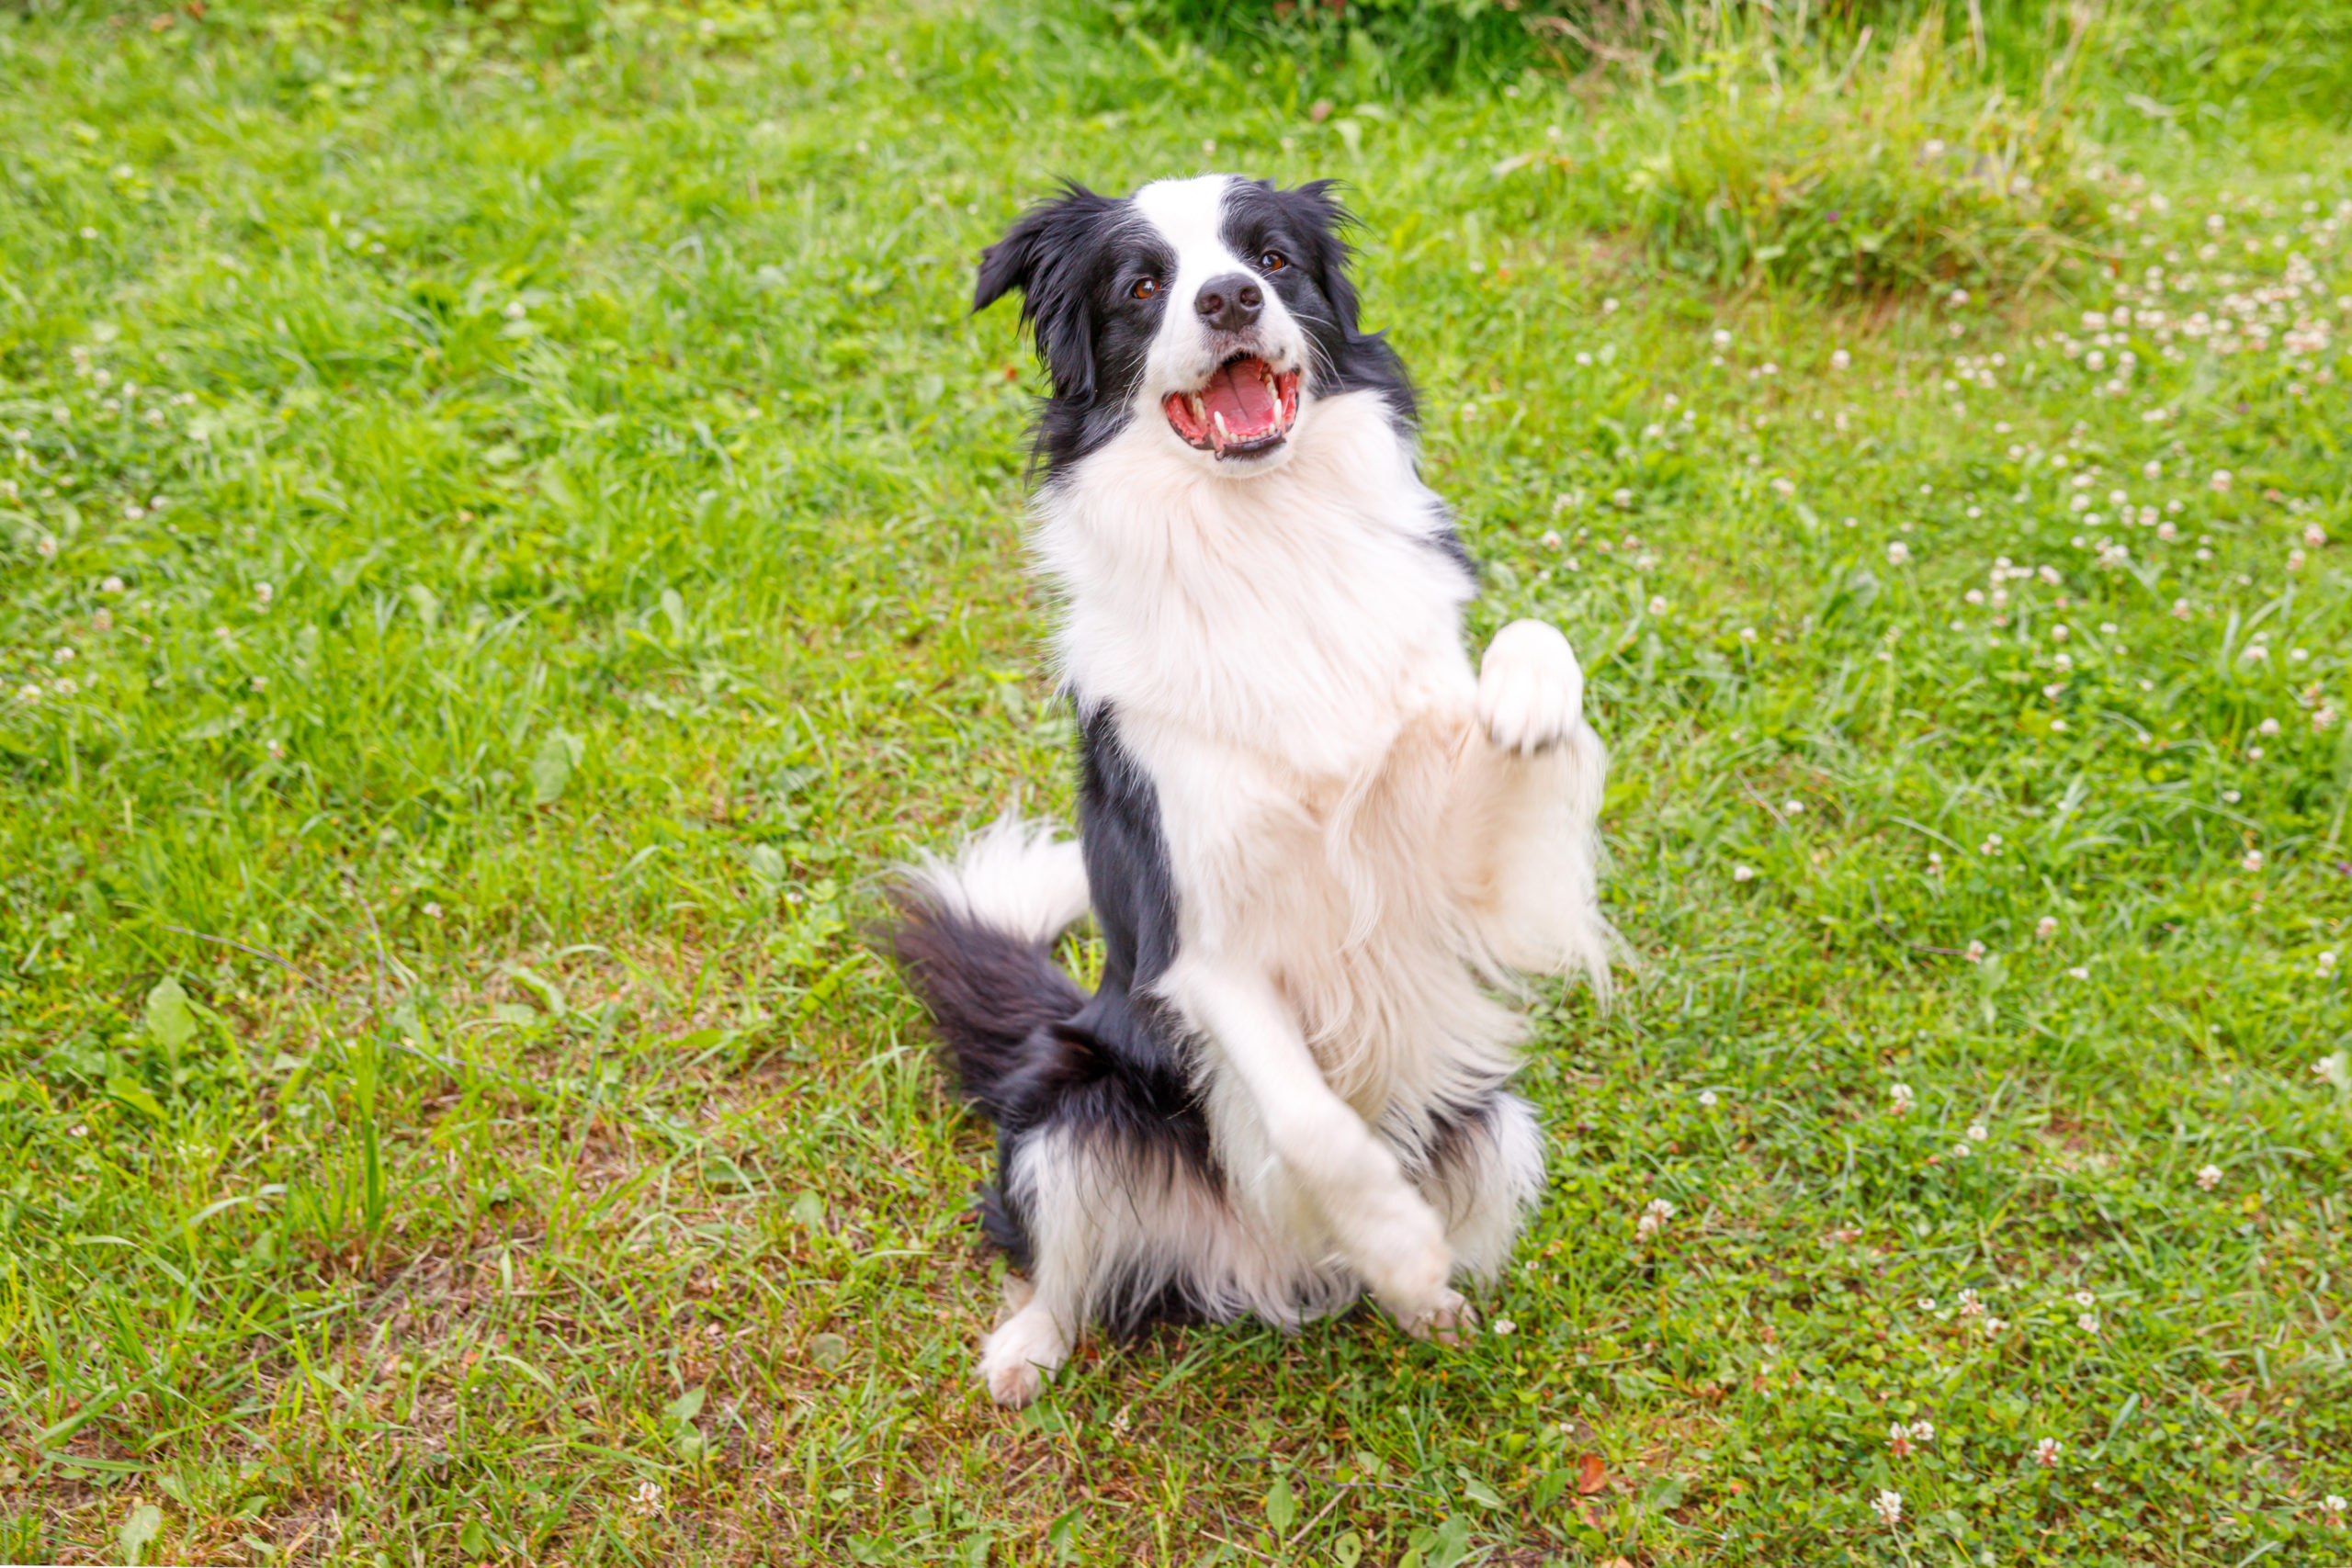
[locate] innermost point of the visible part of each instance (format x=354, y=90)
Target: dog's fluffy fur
x=1320, y=850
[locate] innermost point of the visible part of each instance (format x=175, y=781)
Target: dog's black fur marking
x=1029, y=1050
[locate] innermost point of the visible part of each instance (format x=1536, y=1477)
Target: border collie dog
x=1320, y=849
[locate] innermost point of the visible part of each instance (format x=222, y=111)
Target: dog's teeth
x=1223, y=434
x=1200, y=415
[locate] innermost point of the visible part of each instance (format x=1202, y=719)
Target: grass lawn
x=508, y=528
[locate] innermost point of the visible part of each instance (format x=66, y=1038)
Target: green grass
x=448, y=1115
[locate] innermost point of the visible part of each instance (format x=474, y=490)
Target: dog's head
x=1215, y=310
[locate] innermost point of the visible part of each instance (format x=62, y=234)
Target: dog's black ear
x=1047, y=255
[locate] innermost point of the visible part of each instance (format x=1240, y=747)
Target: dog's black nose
x=1231, y=302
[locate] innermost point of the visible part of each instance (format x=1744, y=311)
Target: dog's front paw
x=1450, y=1321
x=1530, y=689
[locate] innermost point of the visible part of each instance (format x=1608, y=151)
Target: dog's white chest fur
x=1298, y=617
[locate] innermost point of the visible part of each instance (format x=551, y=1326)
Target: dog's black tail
x=973, y=936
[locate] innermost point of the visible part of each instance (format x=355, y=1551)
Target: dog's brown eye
x=1273, y=260
x=1145, y=287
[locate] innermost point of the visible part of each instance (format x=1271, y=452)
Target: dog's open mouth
x=1246, y=408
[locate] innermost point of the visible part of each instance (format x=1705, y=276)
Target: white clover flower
x=2045, y=1452
x=2253, y=861
x=2046, y=927
x=1748, y=634
x=2267, y=726
x=46, y=547
x=1722, y=338
x=1505, y=1327
x=1970, y=1305
x=1961, y=1151
x=2314, y=536
x=1840, y=360
x=2084, y=1299
x=264, y=593
x=1785, y=488
x=1926, y=1304
x=1976, y=954
x=646, y=1502
x=2327, y=963
x=1978, y=1132
x=1900, y=1097
x=2220, y=480
x=1888, y=1505
x=1654, y=1214
x=1707, y=1098
x=1995, y=1325
x=2209, y=1177
x=110, y=584
x=2087, y=1323
x=62, y=656
x=2335, y=1507
x=1743, y=873
x=1657, y=605
x=1898, y=554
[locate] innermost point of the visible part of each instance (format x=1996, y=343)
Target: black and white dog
x=1318, y=848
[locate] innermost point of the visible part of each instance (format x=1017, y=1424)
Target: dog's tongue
x=1239, y=392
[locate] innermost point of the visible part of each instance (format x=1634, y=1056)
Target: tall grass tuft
x=1866, y=176
x=1386, y=47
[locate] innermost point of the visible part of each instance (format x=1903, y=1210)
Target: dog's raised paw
x=1453, y=1320
x=1531, y=688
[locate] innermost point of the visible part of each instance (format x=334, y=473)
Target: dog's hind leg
x=1485, y=1172
x=1124, y=1226
x=1047, y=1183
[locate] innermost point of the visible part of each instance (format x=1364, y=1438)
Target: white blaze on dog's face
x=1225, y=370
x=1205, y=317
